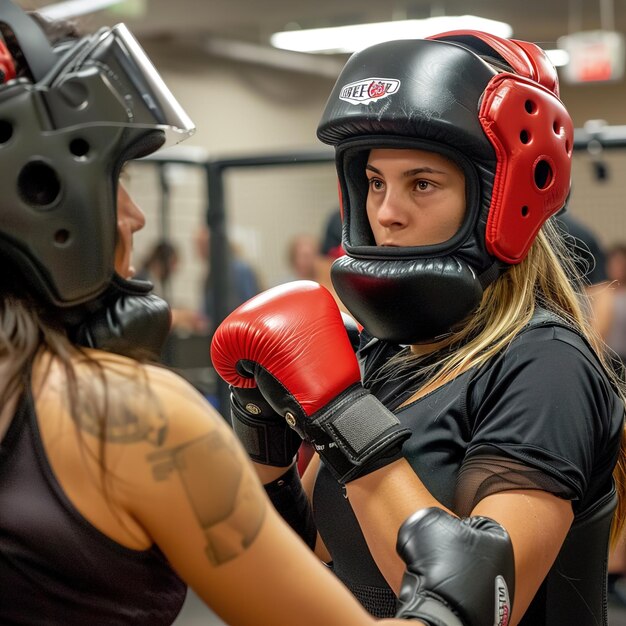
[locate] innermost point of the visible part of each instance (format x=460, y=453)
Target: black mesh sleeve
x=484, y=475
x=546, y=405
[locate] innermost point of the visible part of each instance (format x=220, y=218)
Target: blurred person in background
x=242, y=277
x=616, y=272
x=331, y=250
x=616, y=339
x=159, y=267
x=587, y=252
x=590, y=262
x=303, y=251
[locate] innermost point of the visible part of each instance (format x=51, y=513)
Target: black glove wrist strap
x=353, y=432
x=267, y=439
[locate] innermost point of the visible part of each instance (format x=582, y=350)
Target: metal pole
x=219, y=264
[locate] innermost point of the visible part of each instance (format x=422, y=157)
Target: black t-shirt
x=543, y=406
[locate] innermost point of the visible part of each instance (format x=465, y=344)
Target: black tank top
x=55, y=567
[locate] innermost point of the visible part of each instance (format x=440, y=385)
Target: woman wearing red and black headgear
x=481, y=399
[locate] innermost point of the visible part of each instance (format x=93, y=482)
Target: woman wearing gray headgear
x=483, y=401
x=119, y=484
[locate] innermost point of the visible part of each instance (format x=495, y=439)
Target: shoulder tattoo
x=223, y=490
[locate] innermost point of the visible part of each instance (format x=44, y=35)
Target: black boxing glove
x=460, y=572
x=130, y=321
x=265, y=435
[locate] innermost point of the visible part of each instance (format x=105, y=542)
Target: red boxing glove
x=291, y=342
x=7, y=65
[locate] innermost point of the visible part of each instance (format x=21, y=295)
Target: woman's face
x=414, y=198
x=130, y=219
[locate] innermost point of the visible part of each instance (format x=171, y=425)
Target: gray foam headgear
x=84, y=108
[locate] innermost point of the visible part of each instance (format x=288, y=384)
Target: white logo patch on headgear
x=368, y=90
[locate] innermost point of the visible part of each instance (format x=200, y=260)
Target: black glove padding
x=265, y=435
x=460, y=572
x=129, y=323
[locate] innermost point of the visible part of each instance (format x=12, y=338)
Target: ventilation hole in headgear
x=79, y=147
x=556, y=127
x=543, y=174
x=530, y=106
x=524, y=137
x=524, y=211
x=6, y=131
x=38, y=184
x=62, y=237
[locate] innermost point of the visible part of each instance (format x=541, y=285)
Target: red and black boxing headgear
x=489, y=104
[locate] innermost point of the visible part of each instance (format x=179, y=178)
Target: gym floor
x=194, y=613
x=617, y=616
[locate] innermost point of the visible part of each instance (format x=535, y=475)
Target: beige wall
x=243, y=109
x=240, y=110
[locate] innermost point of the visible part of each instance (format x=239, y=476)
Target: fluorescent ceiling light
x=358, y=36
x=74, y=8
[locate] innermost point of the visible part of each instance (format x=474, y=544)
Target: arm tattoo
x=116, y=422
x=226, y=498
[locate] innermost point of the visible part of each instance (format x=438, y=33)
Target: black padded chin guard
x=130, y=321
x=388, y=296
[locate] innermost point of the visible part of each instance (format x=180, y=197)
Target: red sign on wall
x=594, y=56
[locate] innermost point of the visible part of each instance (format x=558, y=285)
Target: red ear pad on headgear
x=525, y=58
x=532, y=134
x=543, y=70
x=7, y=66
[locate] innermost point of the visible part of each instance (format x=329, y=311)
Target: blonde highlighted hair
x=545, y=278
